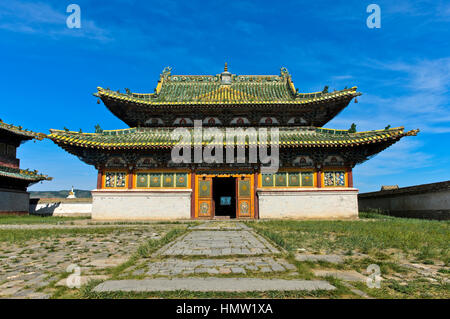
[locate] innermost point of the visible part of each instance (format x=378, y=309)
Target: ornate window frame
x=115, y=172
x=334, y=171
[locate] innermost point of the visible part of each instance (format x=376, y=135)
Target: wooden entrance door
x=244, y=203
x=205, y=203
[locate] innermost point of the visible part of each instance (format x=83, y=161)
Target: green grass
x=422, y=239
x=30, y=219
x=374, y=215
x=385, y=241
x=22, y=235
x=414, y=289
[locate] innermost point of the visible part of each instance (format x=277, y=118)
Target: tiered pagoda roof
x=21, y=174
x=225, y=92
x=225, y=96
x=9, y=168
x=160, y=138
x=19, y=132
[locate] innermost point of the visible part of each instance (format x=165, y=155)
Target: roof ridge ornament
x=166, y=70
x=225, y=76
x=284, y=71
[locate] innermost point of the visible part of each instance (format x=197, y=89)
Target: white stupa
x=71, y=194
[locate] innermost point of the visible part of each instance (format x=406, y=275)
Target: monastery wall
x=62, y=207
x=14, y=201
x=141, y=204
x=430, y=201
x=334, y=203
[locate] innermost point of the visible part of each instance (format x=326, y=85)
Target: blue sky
x=49, y=71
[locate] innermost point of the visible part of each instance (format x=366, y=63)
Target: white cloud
x=393, y=160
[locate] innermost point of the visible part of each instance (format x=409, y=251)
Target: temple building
x=225, y=146
x=14, y=198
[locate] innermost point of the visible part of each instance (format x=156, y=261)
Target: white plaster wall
x=62, y=209
x=309, y=204
x=14, y=201
x=141, y=205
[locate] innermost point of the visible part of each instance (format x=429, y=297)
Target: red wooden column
x=130, y=178
x=319, y=178
x=350, y=177
x=99, y=178
x=193, y=194
x=256, y=204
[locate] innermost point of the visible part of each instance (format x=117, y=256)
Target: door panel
x=205, y=206
x=244, y=197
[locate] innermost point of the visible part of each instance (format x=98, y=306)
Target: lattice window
x=334, y=178
x=115, y=179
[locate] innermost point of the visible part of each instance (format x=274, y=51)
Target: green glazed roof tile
x=151, y=138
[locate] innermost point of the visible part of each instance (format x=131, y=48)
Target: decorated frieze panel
x=211, y=121
x=334, y=160
x=154, y=121
x=162, y=180
x=116, y=161
x=146, y=162
x=289, y=179
x=181, y=121
x=268, y=120
x=303, y=161
x=240, y=120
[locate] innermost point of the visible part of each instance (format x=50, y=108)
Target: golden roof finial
x=225, y=69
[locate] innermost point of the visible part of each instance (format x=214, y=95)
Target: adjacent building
x=178, y=161
x=14, y=198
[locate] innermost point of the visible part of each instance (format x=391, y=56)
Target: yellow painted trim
x=160, y=83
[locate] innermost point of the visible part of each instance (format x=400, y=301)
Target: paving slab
x=347, y=275
x=83, y=279
x=107, y=262
x=213, y=284
x=335, y=259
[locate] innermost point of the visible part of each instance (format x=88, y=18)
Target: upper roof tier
x=17, y=132
x=211, y=95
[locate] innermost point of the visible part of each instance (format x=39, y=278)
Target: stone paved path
x=219, y=243
x=215, y=249
x=213, y=284
x=218, y=266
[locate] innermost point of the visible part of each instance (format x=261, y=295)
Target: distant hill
x=79, y=193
